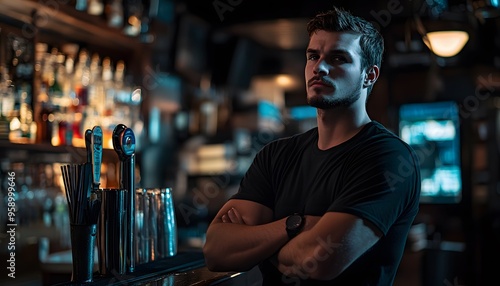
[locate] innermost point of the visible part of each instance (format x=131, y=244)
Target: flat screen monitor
x=433, y=131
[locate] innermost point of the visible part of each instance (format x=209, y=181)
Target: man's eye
x=338, y=59
x=312, y=57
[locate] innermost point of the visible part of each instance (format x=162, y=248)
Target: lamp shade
x=446, y=43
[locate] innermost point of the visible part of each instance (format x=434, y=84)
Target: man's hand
x=232, y=216
x=242, y=235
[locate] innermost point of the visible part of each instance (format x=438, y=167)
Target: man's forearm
x=302, y=249
x=239, y=247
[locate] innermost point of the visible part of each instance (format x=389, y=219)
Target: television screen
x=433, y=130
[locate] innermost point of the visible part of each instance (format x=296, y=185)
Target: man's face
x=333, y=73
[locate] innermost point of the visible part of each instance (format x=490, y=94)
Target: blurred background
x=205, y=84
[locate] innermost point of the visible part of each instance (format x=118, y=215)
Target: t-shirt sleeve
x=382, y=183
x=256, y=184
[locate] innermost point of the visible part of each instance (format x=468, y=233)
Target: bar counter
x=185, y=269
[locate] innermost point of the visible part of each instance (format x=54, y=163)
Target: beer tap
x=124, y=145
x=96, y=148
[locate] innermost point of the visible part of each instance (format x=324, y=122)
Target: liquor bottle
x=6, y=102
x=109, y=89
x=7, y=93
x=95, y=90
x=46, y=117
x=81, y=5
x=20, y=60
x=62, y=132
x=59, y=97
x=95, y=108
x=132, y=17
x=114, y=13
x=56, y=89
x=26, y=117
x=81, y=78
x=95, y=7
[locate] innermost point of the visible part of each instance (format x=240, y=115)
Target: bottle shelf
x=57, y=23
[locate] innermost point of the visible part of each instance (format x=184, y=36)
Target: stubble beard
x=331, y=102
x=323, y=102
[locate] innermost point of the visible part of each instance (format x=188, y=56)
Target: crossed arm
x=243, y=234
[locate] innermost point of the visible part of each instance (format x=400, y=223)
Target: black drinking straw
x=83, y=204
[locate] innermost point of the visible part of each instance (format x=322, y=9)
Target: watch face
x=293, y=221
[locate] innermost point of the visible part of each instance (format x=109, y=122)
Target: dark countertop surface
x=184, y=269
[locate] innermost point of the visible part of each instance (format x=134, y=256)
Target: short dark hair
x=339, y=20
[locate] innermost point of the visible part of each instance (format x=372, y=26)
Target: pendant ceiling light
x=446, y=43
x=444, y=30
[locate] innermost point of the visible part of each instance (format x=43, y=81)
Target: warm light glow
x=284, y=81
x=446, y=43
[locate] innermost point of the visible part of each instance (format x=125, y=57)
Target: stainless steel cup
x=167, y=224
x=82, y=250
x=112, y=234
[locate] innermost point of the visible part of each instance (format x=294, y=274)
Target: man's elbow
x=314, y=267
x=219, y=261
x=213, y=266
x=214, y=261
x=324, y=274
x=211, y=259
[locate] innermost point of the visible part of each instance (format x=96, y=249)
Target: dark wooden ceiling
x=281, y=24
x=279, y=27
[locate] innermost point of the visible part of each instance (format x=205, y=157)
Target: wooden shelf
x=47, y=153
x=63, y=20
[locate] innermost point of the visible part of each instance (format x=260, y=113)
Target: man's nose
x=322, y=67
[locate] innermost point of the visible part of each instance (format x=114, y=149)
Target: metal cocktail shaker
x=156, y=225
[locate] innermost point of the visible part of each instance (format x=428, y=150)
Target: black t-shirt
x=374, y=175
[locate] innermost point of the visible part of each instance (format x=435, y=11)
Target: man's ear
x=371, y=76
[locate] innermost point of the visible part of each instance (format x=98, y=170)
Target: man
x=333, y=205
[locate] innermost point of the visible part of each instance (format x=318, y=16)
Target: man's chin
x=319, y=102
x=325, y=103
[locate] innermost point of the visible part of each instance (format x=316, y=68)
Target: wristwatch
x=294, y=224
